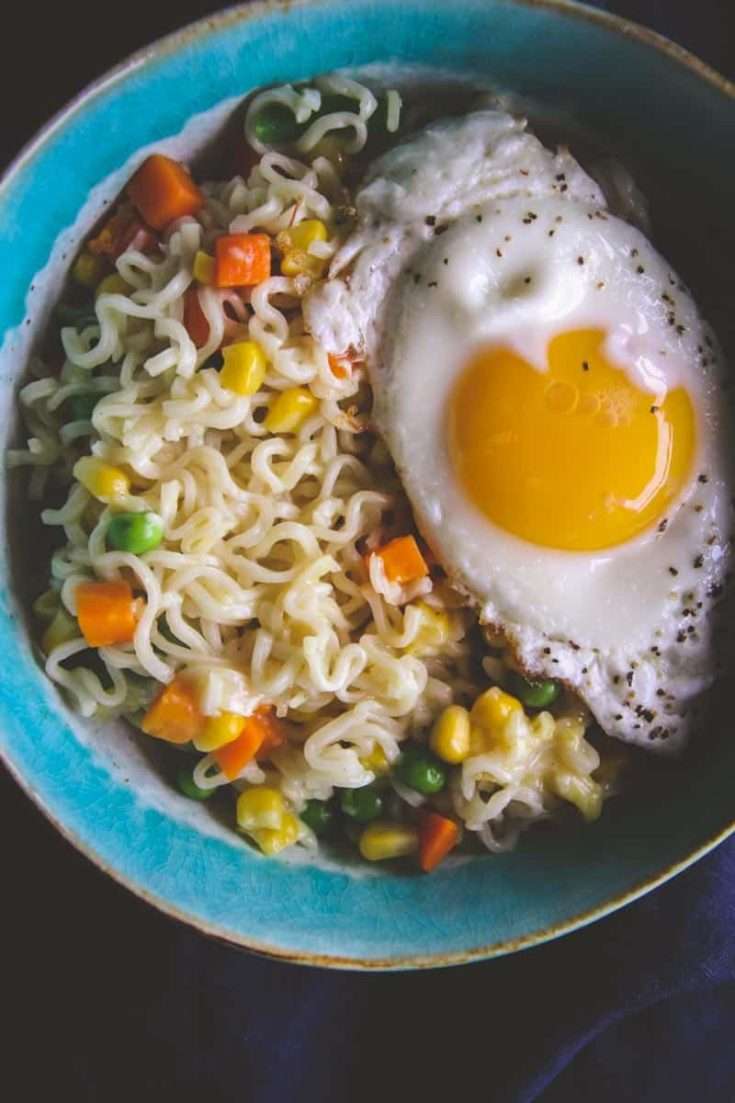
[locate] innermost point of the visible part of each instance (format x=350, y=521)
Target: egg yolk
x=576, y=457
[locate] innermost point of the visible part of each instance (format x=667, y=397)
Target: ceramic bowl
x=651, y=103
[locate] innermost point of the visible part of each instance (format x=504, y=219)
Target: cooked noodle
x=259, y=591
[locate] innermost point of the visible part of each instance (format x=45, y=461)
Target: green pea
x=275, y=125
x=421, y=770
x=82, y=406
x=319, y=816
x=135, y=532
x=189, y=787
x=535, y=695
x=363, y=804
x=77, y=316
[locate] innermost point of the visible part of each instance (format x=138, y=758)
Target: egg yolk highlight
x=576, y=457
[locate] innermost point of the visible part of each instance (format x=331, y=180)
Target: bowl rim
x=168, y=44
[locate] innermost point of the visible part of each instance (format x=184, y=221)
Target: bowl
x=662, y=112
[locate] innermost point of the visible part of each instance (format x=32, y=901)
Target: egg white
x=472, y=234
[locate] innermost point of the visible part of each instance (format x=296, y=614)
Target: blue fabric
x=111, y=1001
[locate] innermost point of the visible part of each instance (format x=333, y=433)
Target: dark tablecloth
x=107, y=1000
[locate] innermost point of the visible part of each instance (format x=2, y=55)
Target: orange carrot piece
x=174, y=716
x=437, y=836
x=275, y=734
x=162, y=191
x=402, y=560
x=340, y=366
x=233, y=757
x=195, y=320
x=106, y=612
x=242, y=260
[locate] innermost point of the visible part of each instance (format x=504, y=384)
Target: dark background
x=107, y=1000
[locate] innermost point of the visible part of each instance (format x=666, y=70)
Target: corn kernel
x=493, y=709
x=450, y=736
x=260, y=807
x=61, y=629
x=297, y=262
x=113, y=284
x=302, y=236
x=273, y=841
x=203, y=268
x=244, y=366
x=480, y=741
x=290, y=410
x=102, y=480
x=88, y=269
x=219, y=730
x=435, y=630
x=583, y=792
x=381, y=840
x=375, y=760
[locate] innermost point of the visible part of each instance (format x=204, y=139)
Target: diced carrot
x=242, y=260
x=106, y=612
x=402, y=560
x=275, y=734
x=162, y=191
x=119, y=232
x=437, y=836
x=340, y=366
x=233, y=757
x=174, y=716
x=195, y=319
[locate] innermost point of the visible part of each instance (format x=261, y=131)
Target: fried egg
x=552, y=401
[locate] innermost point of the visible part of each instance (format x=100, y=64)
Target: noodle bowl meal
x=386, y=479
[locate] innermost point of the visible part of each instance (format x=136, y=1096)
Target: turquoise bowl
x=657, y=107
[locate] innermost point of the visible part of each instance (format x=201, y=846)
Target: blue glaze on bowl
x=644, y=97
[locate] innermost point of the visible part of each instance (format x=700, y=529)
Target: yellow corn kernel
x=290, y=410
x=113, y=284
x=203, y=268
x=434, y=631
x=297, y=262
x=88, y=269
x=102, y=480
x=480, y=740
x=46, y=605
x=381, y=840
x=260, y=807
x=219, y=730
x=583, y=792
x=243, y=370
x=376, y=760
x=302, y=236
x=273, y=841
x=61, y=629
x=493, y=709
x=450, y=736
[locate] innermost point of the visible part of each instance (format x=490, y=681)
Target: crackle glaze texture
x=98, y=786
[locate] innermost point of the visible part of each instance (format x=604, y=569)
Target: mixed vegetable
x=407, y=810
